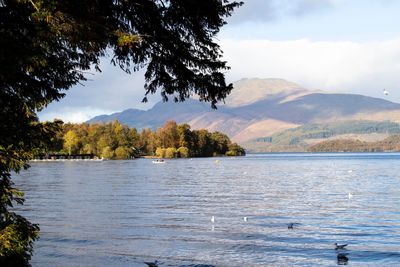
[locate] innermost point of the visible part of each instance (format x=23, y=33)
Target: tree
x=160, y=152
x=170, y=153
x=204, y=143
x=71, y=141
x=122, y=152
x=168, y=134
x=185, y=135
x=147, y=142
x=107, y=153
x=183, y=152
x=235, y=150
x=133, y=137
x=104, y=141
x=47, y=45
x=221, y=142
x=88, y=149
x=55, y=41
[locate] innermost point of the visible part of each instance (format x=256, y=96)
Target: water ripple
x=122, y=213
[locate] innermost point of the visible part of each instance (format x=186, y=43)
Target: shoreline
x=51, y=160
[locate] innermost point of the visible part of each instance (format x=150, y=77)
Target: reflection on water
x=125, y=213
x=342, y=258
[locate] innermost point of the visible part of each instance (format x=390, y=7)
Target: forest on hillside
x=298, y=135
x=300, y=139
x=389, y=144
x=117, y=141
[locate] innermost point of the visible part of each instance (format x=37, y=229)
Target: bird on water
x=340, y=246
x=290, y=226
x=152, y=264
x=212, y=219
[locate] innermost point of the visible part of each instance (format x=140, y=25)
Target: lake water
x=122, y=213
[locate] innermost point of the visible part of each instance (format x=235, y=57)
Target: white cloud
x=73, y=114
x=351, y=67
x=107, y=92
x=111, y=89
x=334, y=66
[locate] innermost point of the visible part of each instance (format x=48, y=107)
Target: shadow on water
x=342, y=258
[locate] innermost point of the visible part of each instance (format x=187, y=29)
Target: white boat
x=158, y=161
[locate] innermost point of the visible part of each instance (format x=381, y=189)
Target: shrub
x=107, y=153
x=160, y=152
x=122, y=152
x=170, y=153
x=183, y=152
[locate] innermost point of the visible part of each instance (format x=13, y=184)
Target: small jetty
x=67, y=157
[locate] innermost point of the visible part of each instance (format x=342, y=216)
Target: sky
x=344, y=46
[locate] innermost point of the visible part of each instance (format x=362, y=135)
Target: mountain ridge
x=261, y=107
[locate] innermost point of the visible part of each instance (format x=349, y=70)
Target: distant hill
x=303, y=137
x=389, y=144
x=261, y=108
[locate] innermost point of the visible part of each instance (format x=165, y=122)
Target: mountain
x=249, y=91
x=261, y=108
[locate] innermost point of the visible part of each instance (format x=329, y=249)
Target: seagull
x=152, y=264
x=350, y=171
x=340, y=246
x=385, y=92
x=245, y=218
x=350, y=195
x=212, y=219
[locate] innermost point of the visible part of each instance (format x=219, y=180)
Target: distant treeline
x=116, y=141
x=297, y=136
x=391, y=143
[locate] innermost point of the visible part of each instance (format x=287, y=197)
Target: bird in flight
x=385, y=92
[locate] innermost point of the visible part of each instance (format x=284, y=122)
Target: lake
x=123, y=213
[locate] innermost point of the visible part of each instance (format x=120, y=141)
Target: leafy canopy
x=46, y=45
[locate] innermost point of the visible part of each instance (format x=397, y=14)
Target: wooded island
x=117, y=141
